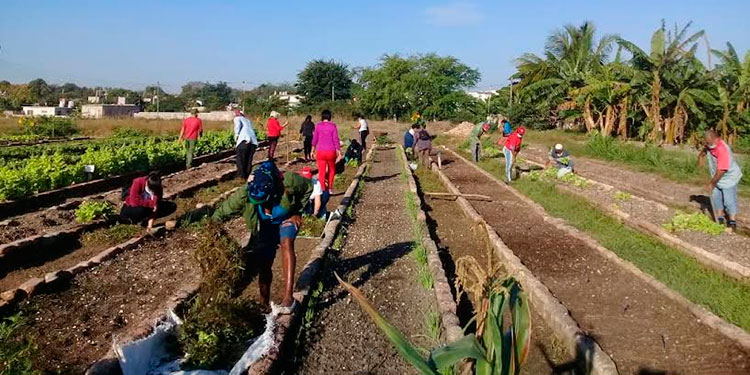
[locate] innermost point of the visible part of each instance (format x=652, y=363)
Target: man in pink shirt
x=192, y=129
x=726, y=175
x=510, y=150
x=327, y=150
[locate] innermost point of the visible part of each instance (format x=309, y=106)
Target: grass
x=111, y=236
x=723, y=295
x=419, y=253
x=428, y=181
x=312, y=226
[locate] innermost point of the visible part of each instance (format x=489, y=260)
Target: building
x=109, y=110
x=292, y=100
x=482, y=95
x=38, y=110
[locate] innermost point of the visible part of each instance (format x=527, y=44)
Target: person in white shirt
x=364, y=131
x=245, y=144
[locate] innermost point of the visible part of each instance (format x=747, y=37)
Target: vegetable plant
x=697, y=222
x=90, y=210
x=15, y=351
x=622, y=196
x=501, y=349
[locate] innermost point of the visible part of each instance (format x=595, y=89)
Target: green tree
x=733, y=76
x=323, y=78
x=39, y=90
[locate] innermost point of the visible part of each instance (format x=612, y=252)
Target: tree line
x=664, y=94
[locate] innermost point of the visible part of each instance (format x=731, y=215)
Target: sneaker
x=733, y=225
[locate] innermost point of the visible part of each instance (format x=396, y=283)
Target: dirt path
x=648, y=185
x=456, y=236
x=376, y=259
x=635, y=324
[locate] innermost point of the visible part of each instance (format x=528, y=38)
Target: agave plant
x=502, y=348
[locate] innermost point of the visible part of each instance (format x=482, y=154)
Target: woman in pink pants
x=327, y=150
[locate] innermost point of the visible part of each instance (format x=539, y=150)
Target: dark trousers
x=308, y=147
x=272, y=142
x=138, y=215
x=244, y=159
x=363, y=138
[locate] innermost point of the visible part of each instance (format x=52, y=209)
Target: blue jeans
x=508, y=163
x=725, y=199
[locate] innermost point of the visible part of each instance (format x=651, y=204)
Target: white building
x=108, y=110
x=292, y=100
x=482, y=95
x=38, y=110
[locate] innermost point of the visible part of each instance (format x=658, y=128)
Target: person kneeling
x=561, y=157
x=144, y=203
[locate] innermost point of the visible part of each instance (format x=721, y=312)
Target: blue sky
x=136, y=43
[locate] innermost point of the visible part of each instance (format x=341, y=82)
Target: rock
x=170, y=224
x=13, y=295
x=57, y=276
x=31, y=286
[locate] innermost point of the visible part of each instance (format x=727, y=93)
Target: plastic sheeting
x=150, y=356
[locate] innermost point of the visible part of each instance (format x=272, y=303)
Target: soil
x=456, y=237
x=342, y=338
x=56, y=219
x=641, y=329
x=75, y=327
x=644, y=184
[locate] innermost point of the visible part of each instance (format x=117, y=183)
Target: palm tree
x=570, y=55
x=667, y=49
x=734, y=89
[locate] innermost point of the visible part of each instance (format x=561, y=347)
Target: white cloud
x=453, y=14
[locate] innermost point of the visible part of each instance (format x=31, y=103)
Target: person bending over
x=144, y=203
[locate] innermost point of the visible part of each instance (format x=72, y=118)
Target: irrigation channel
x=75, y=321
x=647, y=185
x=636, y=324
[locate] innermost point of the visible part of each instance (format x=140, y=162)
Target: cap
x=521, y=130
x=306, y=172
x=558, y=147
x=274, y=114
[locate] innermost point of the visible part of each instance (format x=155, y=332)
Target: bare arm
x=316, y=205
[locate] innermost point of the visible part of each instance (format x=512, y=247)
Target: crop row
x=51, y=171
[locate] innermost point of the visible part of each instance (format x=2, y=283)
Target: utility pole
x=158, y=99
x=333, y=92
x=243, y=96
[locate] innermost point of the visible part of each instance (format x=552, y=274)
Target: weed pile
x=550, y=175
x=697, y=222
x=218, y=325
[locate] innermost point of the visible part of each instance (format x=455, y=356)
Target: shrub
x=48, y=126
x=90, y=210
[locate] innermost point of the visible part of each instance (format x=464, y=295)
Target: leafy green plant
x=622, y=196
x=48, y=126
x=383, y=140
x=16, y=352
x=502, y=348
x=90, y=210
x=491, y=152
x=312, y=226
x=696, y=222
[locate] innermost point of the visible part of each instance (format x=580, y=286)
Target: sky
x=136, y=43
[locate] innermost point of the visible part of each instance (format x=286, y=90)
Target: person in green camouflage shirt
x=272, y=206
x=474, y=139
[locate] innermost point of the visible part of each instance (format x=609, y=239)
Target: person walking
x=726, y=175
x=307, y=129
x=272, y=204
x=245, y=144
x=274, y=132
x=510, y=150
x=364, y=131
x=192, y=129
x=143, y=201
x=327, y=150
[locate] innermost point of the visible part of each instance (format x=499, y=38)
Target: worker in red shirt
x=274, y=132
x=192, y=129
x=510, y=149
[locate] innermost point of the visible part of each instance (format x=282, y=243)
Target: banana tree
x=688, y=93
x=501, y=350
x=666, y=49
x=733, y=77
x=608, y=91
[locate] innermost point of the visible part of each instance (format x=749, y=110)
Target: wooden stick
x=467, y=196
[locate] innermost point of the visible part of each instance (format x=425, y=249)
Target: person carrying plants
x=561, y=157
x=246, y=143
x=726, y=174
x=307, y=129
x=271, y=204
x=510, y=150
x=192, y=129
x=475, y=139
x=274, y=132
x=409, y=140
x=143, y=201
x=327, y=150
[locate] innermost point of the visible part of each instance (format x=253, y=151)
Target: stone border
x=706, y=317
x=550, y=308
x=703, y=256
x=55, y=279
x=446, y=303
x=284, y=333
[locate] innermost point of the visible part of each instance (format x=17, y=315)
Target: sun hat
x=274, y=114
x=558, y=147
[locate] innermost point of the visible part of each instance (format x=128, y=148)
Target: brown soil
x=639, y=327
x=456, y=237
x=75, y=327
x=342, y=338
